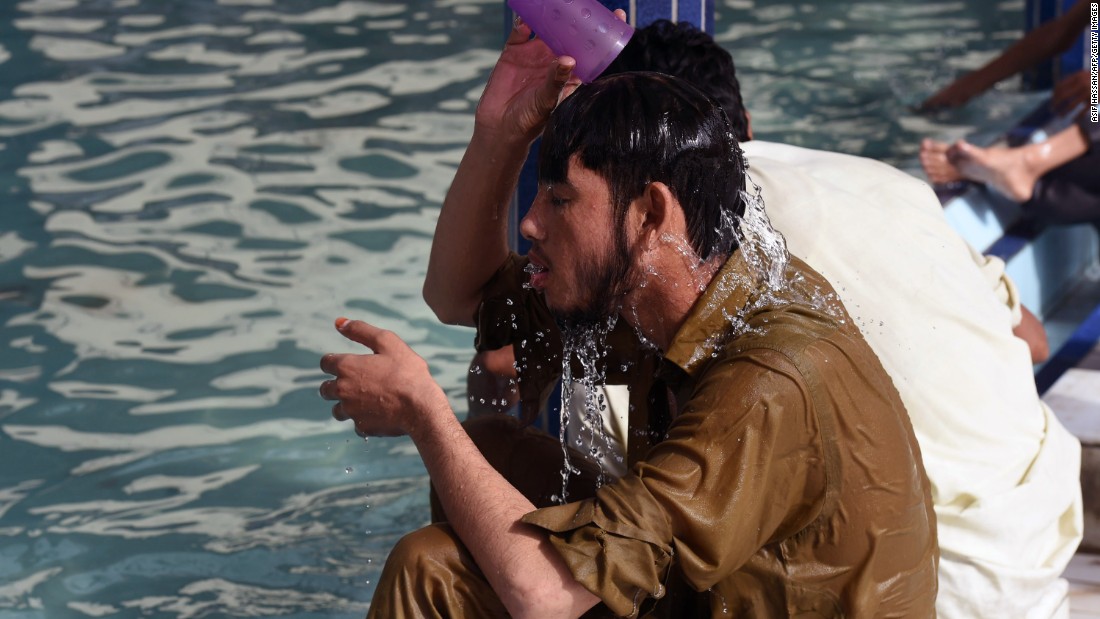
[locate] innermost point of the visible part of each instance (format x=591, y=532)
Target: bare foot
x=933, y=158
x=1009, y=171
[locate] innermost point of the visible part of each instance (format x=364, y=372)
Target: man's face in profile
x=579, y=259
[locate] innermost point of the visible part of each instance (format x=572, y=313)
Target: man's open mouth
x=538, y=274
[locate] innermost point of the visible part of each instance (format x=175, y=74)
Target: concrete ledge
x=1050, y=266
x=1075, y=399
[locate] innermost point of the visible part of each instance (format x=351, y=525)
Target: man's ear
x=653, y=213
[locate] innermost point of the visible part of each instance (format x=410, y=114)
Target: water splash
x=764, y=248
x=765, y=252
x=587, y=346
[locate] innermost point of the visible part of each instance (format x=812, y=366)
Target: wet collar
x=707, y=325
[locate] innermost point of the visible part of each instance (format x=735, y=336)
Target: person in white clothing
x=1004, y=471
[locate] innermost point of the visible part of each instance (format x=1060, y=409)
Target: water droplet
x=602, y=28
x=348, y=470
x=585, y=13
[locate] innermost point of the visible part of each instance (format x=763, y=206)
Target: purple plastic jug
x=583, y=29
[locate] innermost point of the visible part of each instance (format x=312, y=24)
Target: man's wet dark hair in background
x=683, y=50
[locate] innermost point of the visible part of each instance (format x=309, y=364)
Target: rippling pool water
x=192, y=191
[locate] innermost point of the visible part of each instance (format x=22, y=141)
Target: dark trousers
x=1070, y=194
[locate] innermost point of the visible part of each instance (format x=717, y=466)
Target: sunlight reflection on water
x=194, y=190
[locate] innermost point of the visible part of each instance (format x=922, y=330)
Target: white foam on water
x=46, y=6
x=59, y=24
x=60, y=48
x=141, y=21
x=138, y=39
x=339, y=104
x=275, y=37
x=218, y=596
x=17, y=594
x=342, y=13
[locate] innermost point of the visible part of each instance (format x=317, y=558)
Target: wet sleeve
x=742, y=466
x=510, y=314
x=993, y=271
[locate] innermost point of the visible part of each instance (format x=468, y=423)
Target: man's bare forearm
x=485, y=510
x=471, y=234
x=390, y=392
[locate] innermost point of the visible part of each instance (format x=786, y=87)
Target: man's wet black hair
x=683, y=50
x=636, y=128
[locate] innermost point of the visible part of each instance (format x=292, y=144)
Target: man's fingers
x=338, y=412
x=563, y=69
x=330, y=363
x=328, y=390
x=520, y=32
x=364, y=333
x=557, y=79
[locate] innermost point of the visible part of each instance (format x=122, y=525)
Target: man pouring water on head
x=772, y=470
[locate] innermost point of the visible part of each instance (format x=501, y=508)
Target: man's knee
x=425, y=549
x=429, y=573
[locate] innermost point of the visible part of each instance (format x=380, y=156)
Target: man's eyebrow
x=562, y=184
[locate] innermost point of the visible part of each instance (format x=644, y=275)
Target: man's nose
x=530, y=226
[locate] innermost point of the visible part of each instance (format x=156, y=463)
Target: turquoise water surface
x=192, y=191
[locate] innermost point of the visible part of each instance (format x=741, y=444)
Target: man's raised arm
x=470, y=237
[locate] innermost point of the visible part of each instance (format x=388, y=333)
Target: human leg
x=938, y=169
x=1070, y=194
x=430, y=573
x=1012, y=172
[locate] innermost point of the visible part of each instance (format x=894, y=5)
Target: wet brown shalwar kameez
x=788, y=482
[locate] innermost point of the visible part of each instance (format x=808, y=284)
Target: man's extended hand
x=385, y=393
x=955, y=94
